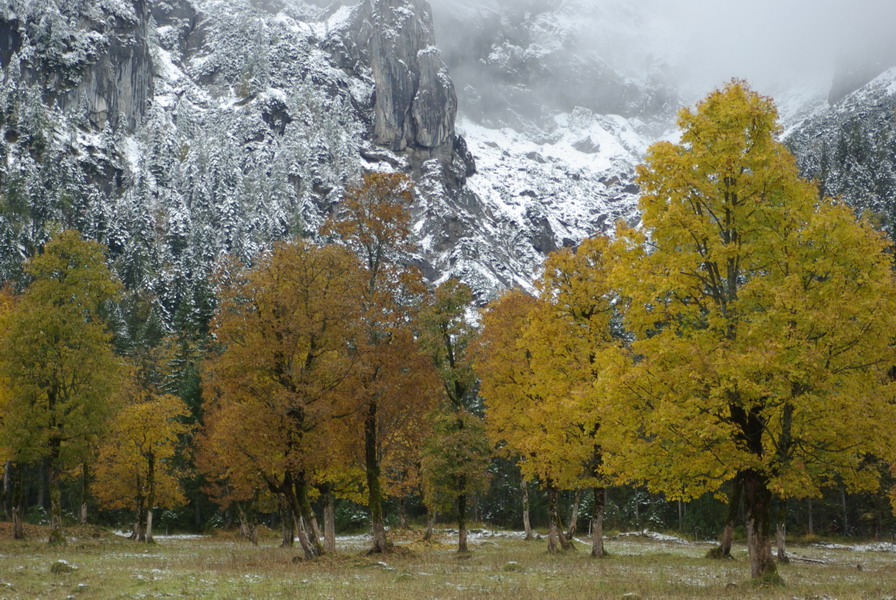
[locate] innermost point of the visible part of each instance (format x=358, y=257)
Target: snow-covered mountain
x=179, y=130
x=850, y=148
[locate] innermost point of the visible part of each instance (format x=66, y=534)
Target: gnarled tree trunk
x=308, y=517
x=248, y=524
x=556, y=535
x=723, y=550
x=287, y=526
x=757, y=498
x=289, y=490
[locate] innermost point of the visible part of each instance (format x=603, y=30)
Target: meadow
x=98, y=564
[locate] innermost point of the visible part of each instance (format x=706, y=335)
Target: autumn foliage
x=740, y=336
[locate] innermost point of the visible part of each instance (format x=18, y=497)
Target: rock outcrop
x=95, y=61
x=415, y=102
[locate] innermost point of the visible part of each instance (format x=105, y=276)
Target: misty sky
x=772, y=43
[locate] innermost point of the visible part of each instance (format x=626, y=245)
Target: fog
x=775, y=43
x=772, y=43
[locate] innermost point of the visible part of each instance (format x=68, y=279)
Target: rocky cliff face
x=415, y=103
x=850, y=149
x=176, y=131
x=91, y=58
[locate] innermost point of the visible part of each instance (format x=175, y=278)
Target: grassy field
x=105, y=566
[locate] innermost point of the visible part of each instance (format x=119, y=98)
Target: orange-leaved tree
x=373, y=220
x=278, y=389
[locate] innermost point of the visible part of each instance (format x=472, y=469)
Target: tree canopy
x=57, y=359
x=763, y=319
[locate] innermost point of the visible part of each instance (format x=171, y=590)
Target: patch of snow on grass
x=869, y=547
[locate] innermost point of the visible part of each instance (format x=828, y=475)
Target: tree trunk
x=402, y=513
x=556, y=534
x=845, y=513
x=197, y=512
x=781, y=532
x=293, y=489
x=329, y=522
x=150, y=496
x=18, y=504
x=84, y=491
x=317, y=534
x=597, y=523
x=374, y=491
x=811, y=530
x=574, y=515
x=287, y=526
x=307, y=548
x=757, y=499
x=7, y=488
x=139, y=531
x=527, y=526
x=430, y=524
x=312, y=530
x=723, y=550
x=56, y=536
x=248, y=525
x=462, y=523
x=149, y=538
x=42, y=484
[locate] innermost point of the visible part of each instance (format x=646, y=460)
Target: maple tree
x=538, y=359
x=276, y=393
x=135, y=469
x=373, y=221
x=458, y=453
x=57, y=358
x=11, y=470
x=519, y=417
x=762, y=317
x=570, y=330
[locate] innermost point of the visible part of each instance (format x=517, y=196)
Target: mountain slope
x=850, y=148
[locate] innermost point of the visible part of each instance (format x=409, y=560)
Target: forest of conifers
x=725, y=367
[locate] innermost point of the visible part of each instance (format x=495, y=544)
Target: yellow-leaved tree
x=537, y=359
x=570, y=330
x=763, y=319
x=57, y=360
x=136, y=468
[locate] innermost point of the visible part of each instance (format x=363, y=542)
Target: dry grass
x=228, y=568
